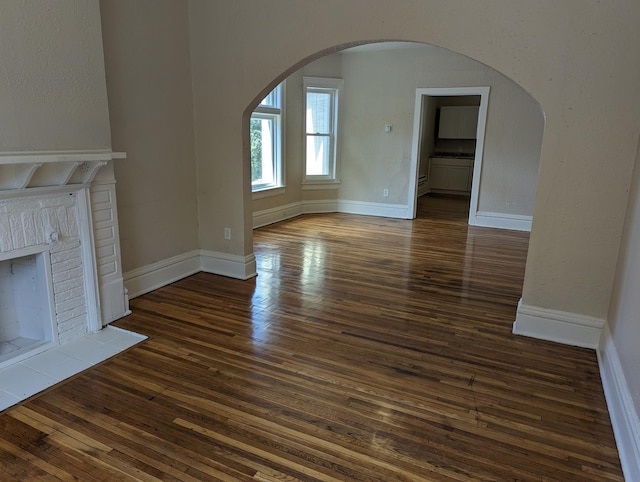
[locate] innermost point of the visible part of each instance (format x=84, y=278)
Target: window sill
x=268, y=192
x=320, y=185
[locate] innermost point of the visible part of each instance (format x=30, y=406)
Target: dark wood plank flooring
x=366, y=349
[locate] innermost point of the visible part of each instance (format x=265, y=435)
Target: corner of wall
x=233, y=266
x=559, y=326
x=156, y=275
x=589, y=332
x=624, y=418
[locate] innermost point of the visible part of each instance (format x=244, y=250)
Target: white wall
x=146, y=45
x=52, y=84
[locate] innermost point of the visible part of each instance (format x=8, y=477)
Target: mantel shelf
x=19, y=171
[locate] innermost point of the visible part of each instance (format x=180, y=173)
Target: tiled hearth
x=39, y=372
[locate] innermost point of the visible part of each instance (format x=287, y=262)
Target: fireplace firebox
x=26, y=305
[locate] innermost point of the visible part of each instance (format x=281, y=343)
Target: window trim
x=279, y=116
x=334, y=85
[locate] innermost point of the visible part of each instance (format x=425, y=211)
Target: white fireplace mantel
x=32, y=170
x=63, y=203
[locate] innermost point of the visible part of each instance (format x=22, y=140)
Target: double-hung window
x=321, y=100
x=266, y=132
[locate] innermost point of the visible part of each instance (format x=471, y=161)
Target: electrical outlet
x=227, y=233
x=385, y=192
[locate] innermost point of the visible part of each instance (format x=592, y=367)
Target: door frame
x=483, y=92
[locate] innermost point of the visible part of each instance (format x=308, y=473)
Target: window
x=266, y=142
x=321, y=127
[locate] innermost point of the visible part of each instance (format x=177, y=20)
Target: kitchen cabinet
x=458, y=122
x=451, y=175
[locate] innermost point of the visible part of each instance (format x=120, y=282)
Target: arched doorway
x=378, y=155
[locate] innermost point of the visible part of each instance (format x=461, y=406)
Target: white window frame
x=274, y=110
x=333, y=86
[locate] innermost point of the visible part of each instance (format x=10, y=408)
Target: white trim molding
x=374, y=209
x=288, y=211
x=624, y=417
x=483, y=92
x=38, y=169
x=487, y=219
x=89, y=265
x=559, y=326
x=277, y=214
x=156, y=275
x=231, y=265
x=320, y=206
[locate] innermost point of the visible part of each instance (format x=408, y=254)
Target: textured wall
x=52, y=86
x=146, y=45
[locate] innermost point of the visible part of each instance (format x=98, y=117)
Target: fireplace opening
x=26, y=307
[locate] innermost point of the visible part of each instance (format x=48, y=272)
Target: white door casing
x=483, y=92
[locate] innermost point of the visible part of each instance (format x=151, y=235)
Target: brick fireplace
x=60, y=268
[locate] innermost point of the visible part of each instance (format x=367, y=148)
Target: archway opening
x=377, y=163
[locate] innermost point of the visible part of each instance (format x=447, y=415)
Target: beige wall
x=52, y=87
x=146, y=45
x=380, y=89
x=577, y=58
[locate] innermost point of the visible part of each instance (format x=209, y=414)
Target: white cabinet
x=458, y=122
x=451, y=175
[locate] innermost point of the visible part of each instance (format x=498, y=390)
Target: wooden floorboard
x=366, y=349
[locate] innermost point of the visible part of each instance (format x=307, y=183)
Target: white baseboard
x=151, y=277
x=277, y=214
x=320, y=206
x=156, y=275
x=401, y=211
x=624, y=417
x=487, y=219
x=373, y=209
x=233, y=266
x=287, y=211
x=560, y=326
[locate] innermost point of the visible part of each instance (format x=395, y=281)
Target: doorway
x=422, y=149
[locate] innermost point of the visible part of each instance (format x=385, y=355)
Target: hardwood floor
x=366, y=349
